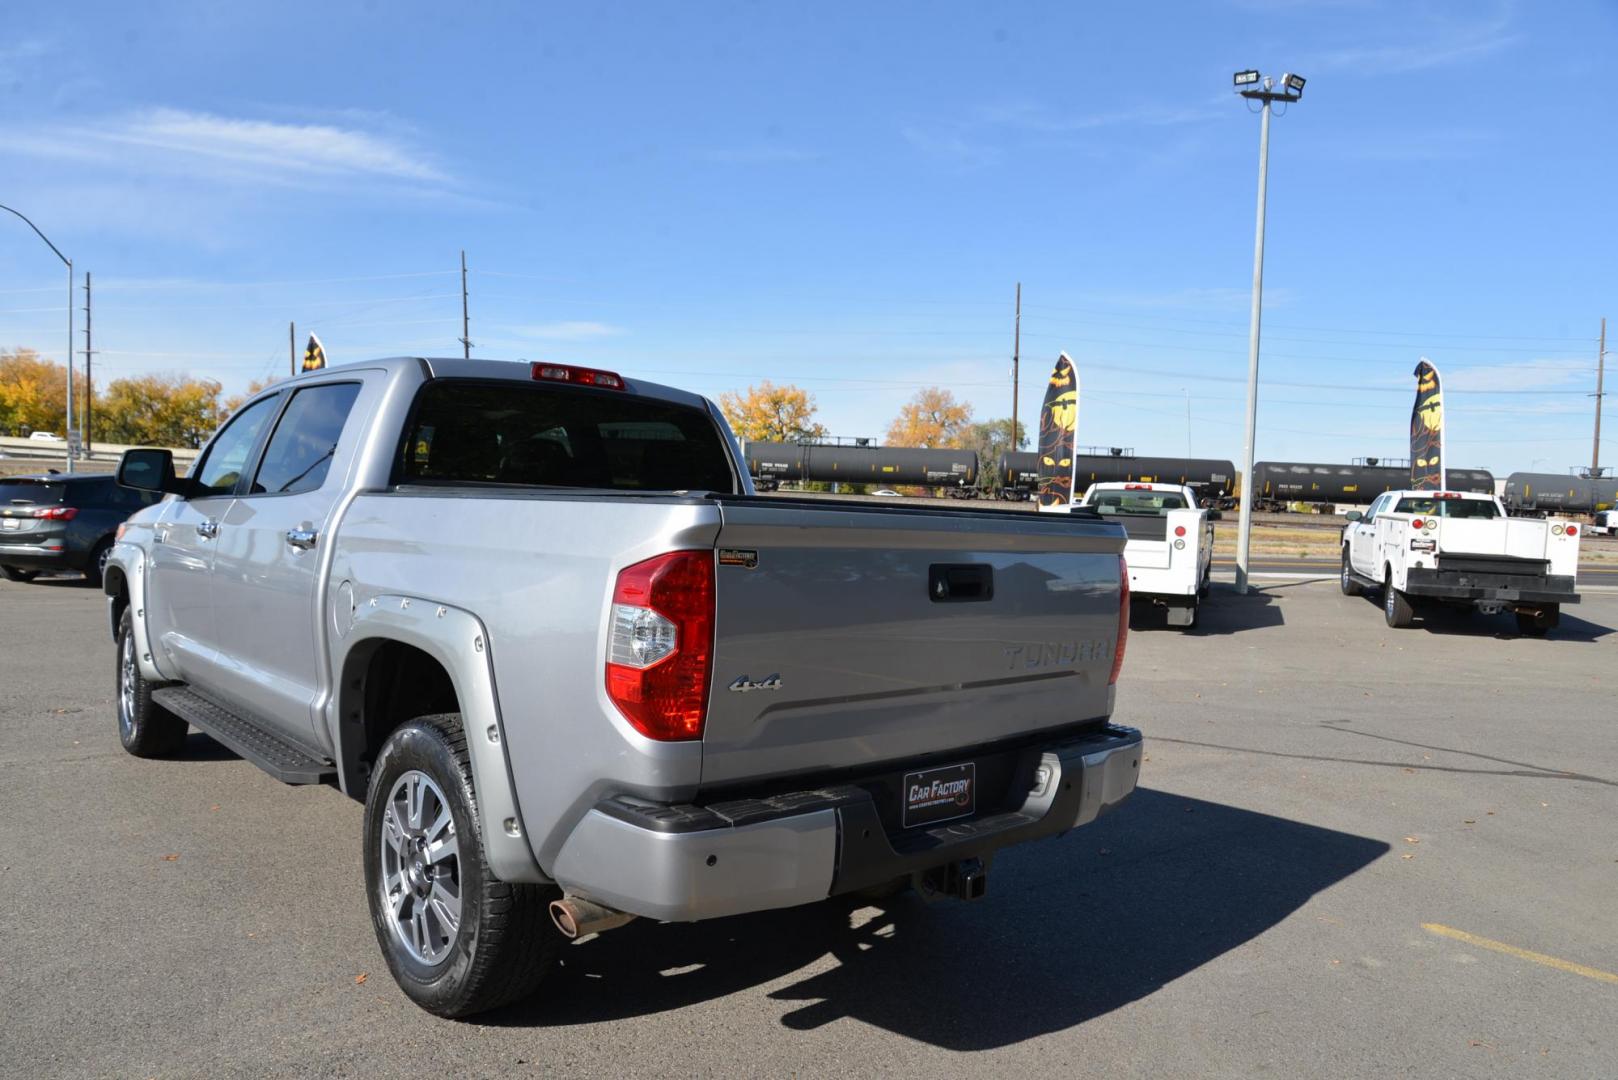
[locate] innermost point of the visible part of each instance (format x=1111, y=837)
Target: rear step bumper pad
x=684, y=863
x=1473, y=585
x=280, y=758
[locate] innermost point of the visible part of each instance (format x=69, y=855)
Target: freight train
x=884, y=466
x=1541, y=493
x=1277, y=483
x=1213, y=480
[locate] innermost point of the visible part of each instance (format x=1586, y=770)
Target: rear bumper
x=37, y=557
x=1503, y=588
x=684, y=863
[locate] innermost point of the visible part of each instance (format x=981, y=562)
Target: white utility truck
x=1170, y=548
x=1460, y=548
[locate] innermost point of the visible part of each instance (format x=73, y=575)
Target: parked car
x=45, y=436
x=1170, y=548
x=886, y=492
x=57, y=523
x=1460, y=548
x=536, y=618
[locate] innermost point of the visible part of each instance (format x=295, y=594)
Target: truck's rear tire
x=1396, y=607
x=145, y=728
x=1345, y=580
x=457, y=940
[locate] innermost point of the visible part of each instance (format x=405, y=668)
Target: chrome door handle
x=208, y=530
x=302, y=539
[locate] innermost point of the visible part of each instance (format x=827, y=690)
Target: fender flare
x=459, y=641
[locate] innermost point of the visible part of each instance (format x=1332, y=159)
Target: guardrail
x=54, y=450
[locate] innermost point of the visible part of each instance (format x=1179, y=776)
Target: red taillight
x=582, y=376
x=660, y=644
x=1123, y=621
x=57, y=513
x=1573, y=530
x=1137, y=487
x=1179, y=530
x=1416, y=524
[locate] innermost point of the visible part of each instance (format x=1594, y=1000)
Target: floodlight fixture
x=1246, y=78
x=1294, y=83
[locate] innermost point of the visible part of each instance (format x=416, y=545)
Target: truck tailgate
x=850, y=636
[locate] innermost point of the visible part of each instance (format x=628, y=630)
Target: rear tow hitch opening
x=967, y=879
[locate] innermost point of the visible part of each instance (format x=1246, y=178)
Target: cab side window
x=221, y=467
x=300, y=452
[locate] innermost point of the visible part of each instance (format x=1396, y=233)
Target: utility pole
x=1249, y=85
x=1601, y=373
x=1016, y=360
x=466, y=332
x=89, y=379
x=292, y=348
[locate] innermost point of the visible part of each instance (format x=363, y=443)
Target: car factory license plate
x=941, y=794
x=9, y=523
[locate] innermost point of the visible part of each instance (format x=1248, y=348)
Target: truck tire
x=146, y=729
x=1396, y=607
x=1539, y=623
x=457, y=940
x=1345, y=580
x=15, y=573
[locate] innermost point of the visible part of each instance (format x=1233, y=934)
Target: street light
x=69, y=264
x=1250, y=85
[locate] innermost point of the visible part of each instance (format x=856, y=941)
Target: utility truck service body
x=1170, y=547
x=1460, y=548
x=536, y=618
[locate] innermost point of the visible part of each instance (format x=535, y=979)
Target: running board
x=287, y=762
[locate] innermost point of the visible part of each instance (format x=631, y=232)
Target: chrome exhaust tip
x=576, y=917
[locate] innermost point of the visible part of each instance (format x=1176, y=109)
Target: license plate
x=10, y=523
x=941, y=794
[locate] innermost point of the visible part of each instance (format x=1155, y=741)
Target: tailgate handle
x=959, y=583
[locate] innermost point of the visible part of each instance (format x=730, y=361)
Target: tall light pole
x=69, y=264
x=1250, y=85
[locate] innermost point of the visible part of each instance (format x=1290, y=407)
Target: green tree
x=991, y=439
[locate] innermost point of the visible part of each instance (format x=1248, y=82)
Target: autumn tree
x=933, y=418
x=33, y=393
x=770, y=413
x=235, y=401
x=158, y=410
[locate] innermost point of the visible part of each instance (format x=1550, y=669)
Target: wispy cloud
x=176, y=140
x=566, y=331
x=980, y=137
x=1547, y=373
x=1435, y=42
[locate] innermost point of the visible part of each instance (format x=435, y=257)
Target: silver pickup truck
x=536, y=618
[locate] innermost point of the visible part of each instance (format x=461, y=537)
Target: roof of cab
x=455, y=367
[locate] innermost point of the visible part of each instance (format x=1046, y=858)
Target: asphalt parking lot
x=1356, y=852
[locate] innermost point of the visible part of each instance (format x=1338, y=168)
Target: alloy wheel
x=421, y=868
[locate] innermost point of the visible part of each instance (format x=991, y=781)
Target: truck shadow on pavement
x=1071, y=929
x=1460, y=622
x=1225, y=611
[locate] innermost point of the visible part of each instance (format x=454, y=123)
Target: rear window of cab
x=463, y=431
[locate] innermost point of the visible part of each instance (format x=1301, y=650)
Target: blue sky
x=844, y=196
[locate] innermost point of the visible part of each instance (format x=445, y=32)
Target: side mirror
x=1354, y=515
x=149, y=470
x=1216, y=515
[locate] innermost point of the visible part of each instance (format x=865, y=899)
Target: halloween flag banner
x=314, y=355
x=1058, y=428
x=1427, y=430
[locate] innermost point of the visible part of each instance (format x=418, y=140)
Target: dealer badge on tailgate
x=941, y=794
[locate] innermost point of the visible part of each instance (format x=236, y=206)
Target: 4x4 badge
x=744, y=685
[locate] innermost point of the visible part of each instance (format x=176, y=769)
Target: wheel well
x=386, y=684
x=116, y=586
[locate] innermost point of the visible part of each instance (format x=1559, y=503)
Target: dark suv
x=55, y=523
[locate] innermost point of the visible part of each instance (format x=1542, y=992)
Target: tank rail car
x=1531, y=493
x=1214, y=480
x=1277, y=483
x=885, y=466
